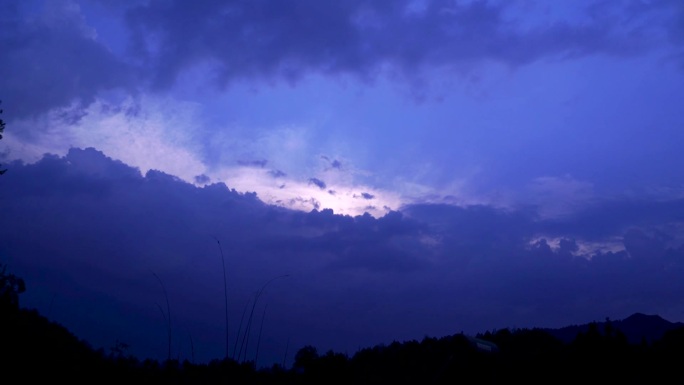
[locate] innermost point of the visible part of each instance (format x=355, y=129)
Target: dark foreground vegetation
x=34, y=348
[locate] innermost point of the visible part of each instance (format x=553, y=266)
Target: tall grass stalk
x=251, y=314
x=287, y=346
x=261, y=329
x=225, y=293
x=192, y=348
x=244, y=311
x=168, y=313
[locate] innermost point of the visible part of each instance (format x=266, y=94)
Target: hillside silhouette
x=637, y=328
x=638, y=349
x=33, y=345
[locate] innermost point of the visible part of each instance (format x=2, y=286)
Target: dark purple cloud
x=57, y=61
x=317, y=182
x=52, y=60
x=88, y=234
x=288, y=40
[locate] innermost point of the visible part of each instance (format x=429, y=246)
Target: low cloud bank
x=88, y=234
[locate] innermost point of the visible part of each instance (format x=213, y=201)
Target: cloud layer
x=88, y=233
x=237, y=41
x=291, y=39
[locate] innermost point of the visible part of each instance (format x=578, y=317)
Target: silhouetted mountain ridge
x=32, y=341
x=637, y=328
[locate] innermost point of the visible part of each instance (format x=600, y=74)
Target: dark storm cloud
x=495, y=252
x=56, y=59
x=52, y=60
x=288, y=39
x=87, y=233
x=386, y=244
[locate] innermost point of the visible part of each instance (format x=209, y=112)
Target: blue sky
x=488, y=164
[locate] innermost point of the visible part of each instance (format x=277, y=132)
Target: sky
x=366, y=171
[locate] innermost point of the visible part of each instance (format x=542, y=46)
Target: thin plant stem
x=248, y=329
x=168, y=312
x=239, y=330
x=287, y=346
x=161, y=311
x=192, y=348
x=225, y=292
x=261, y=329
x=251, y=314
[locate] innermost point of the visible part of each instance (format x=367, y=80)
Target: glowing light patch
x=153, y=134
x=304, y=195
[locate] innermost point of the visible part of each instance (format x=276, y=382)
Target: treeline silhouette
x=34, y=348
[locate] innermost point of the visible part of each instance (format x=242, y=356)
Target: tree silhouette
x=10, y=288
x=305, y=358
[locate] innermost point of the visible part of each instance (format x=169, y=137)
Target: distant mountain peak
x=636, y=327
x=642, y=316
